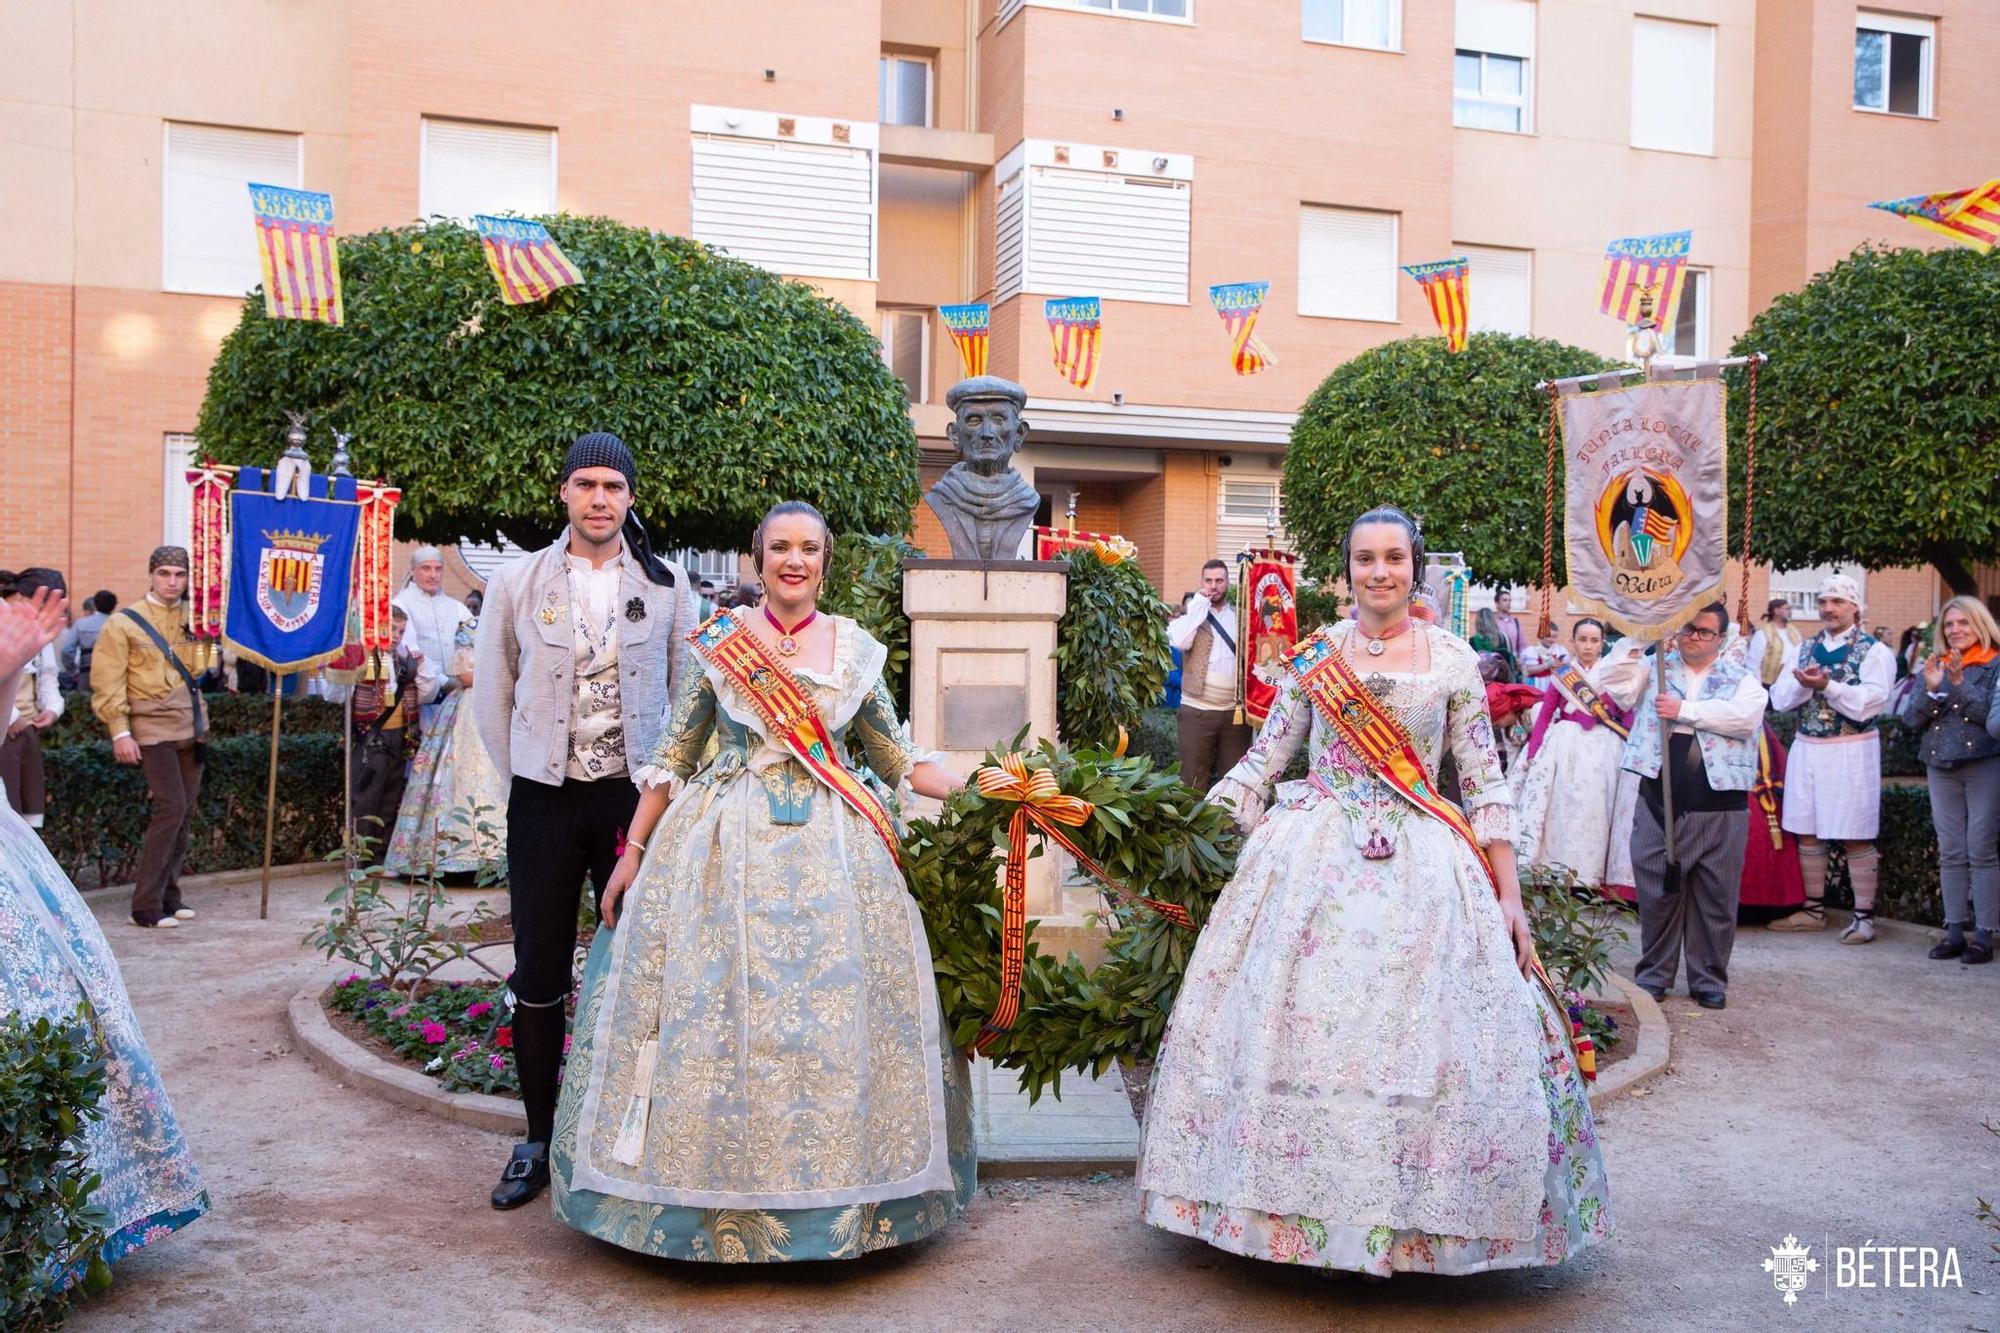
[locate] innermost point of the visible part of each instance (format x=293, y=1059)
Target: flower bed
x=458, y=1032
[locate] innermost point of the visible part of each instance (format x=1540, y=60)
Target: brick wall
x=34, y=424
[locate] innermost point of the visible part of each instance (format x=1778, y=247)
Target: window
x=1166, y=9
x=906, y=91
x=906, y=337
x=1801, y=586
x=470, y=168
x=1673, y=86
x=1496, y=41
x=1892, y=63
x=1112, y=222
x=1371, y=23
x=1500, y=289
x=1689, y=336
x=1347, y=263
x=1243, y=513
x=793, y=194
x=722, y=568
x=208, y=242
x=177, y=496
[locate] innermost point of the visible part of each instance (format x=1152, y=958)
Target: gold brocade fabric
x=771, y=955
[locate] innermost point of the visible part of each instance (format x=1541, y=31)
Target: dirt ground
x=1838, y=1099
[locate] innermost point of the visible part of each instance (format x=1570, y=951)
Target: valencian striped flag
x=1640, y=264
x=524, y=258
x=1445, y=285
x=971, y=328
x=1968, y=216
x=1239, y=303
x=1076, y=332
x=296, y=246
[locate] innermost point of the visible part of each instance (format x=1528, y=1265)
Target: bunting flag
x=971, y=327
x=1445, y=285
x=1076, y=332
x=300, y=258
x=525, y=259
x=1239, y=304
x=1971, y=217
x=1640, y=264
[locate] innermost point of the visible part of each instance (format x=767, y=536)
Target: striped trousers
x=1700, y=919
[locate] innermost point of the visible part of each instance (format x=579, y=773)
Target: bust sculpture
x=983, y=503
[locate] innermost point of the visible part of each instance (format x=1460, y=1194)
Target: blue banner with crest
x=291, y=571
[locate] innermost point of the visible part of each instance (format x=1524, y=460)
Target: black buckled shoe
x=526, y=1175
x=1709, y=999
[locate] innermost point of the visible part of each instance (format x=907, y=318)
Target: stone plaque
x=979, y=717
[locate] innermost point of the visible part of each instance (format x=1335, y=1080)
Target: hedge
x=98, y=807
x=52, y=1081
x=228, y=715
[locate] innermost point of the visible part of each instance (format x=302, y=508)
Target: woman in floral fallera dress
x=1360, y=1072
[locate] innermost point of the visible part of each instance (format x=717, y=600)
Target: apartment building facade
x=903, y=154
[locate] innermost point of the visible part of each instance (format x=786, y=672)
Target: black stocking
x=538, y=1055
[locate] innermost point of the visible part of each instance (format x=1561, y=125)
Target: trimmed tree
x=1878, y=416
x=733, y=387
x=1458, y=439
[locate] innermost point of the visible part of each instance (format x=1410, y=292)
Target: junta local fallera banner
x=1270, y=627
x=1646, y=501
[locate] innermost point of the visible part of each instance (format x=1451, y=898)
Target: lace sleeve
x=1482, y=783
x=885, y=742
x=1248, y=785
x=681, y=745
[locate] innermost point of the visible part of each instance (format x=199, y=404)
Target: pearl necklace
x=788, y=644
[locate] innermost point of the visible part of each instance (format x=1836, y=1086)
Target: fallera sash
x=1581, y=693
x=787, y=709
x=1373, y=733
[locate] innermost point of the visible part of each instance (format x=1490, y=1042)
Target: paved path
x=1840, y=1096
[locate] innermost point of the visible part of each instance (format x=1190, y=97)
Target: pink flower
x=498, y=1062
x=434, y=1033
x=350, y=978
x=399, y=1011
x=475, y=1010
x=565, y=1043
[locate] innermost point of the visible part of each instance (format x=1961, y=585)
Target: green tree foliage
x=733, y=387
x=865, y=582
x=1878, y=416
x=1455, y=438
x=1112, y=657
x=52, y=1084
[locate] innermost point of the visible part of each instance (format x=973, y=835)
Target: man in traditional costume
x=1775, y=643
x=583, y=646
x=143, y=690
x=1213, y=736
x=434, y=620
x=1840, y=681
x=1714, y=709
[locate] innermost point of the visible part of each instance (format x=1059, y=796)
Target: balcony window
x=1673, y=86
x=208, y=231
x=1690, y=331
x=906, y=91
x=470, y=168
x=1377, y=24
x=1489, y=92
x=1892, y=63
x=1347, y=263
x=1165, y=9
x=906, y=346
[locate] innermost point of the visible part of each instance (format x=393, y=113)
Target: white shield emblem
x=288, y=586
x=1789, y=1266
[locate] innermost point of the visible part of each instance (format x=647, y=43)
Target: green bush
x=1908, y=887
x=98, y=808
x=460, y=1033
x=732, y=386
x=1157, y=736
x=1112, y=657
x=52, y=1085
x=228, y=715
x=866, y=583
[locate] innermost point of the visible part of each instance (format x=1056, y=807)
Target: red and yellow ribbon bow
x=1039, y=799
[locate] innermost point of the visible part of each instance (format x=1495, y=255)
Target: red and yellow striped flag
x=300, y=259
x=1445, y=285
x=1239, y=304
x=1076, y=334
x=971, y=332
x=525, y=259
x=1971, y=217
x=1636, y=265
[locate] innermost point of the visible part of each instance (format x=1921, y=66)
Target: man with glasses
x=1713, y=708
x=1839, y=681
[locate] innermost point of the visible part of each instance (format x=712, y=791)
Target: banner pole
x=271, y=795
x=1670, y=880
x=347, y=787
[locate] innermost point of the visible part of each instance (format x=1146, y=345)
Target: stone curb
x=1646, y=1063
x=219, y=879
x=334, y=1053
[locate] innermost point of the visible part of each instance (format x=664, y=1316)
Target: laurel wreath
x=1152, y=833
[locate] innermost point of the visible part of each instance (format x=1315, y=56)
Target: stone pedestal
x=982, y=664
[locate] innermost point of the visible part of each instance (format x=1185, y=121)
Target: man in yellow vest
x=143, y=690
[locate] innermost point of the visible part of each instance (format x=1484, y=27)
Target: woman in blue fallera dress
x=52, y=956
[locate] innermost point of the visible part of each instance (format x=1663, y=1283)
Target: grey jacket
x=523, y=660
x=1953, y=729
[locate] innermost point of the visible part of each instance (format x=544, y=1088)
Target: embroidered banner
x=1446, y=283
x=1970, y=217
x=300, y=259
x=1269, y=627
x=525, y=259
x=1050, y=543
x=971, y=328
x=291, y=571
x=1239, y=304
x=1645, y=509
x=1637, y=265
x=1076, y=334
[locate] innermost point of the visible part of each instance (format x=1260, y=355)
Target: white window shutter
x=470, y=168
x=1500, y=291
x=806, y=209
x=1103, y=234
x=1673, y=85
x=1497, y=27
x=1347, y=263
x=1011, y=229
x=208, y=233
x=1242, y=516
